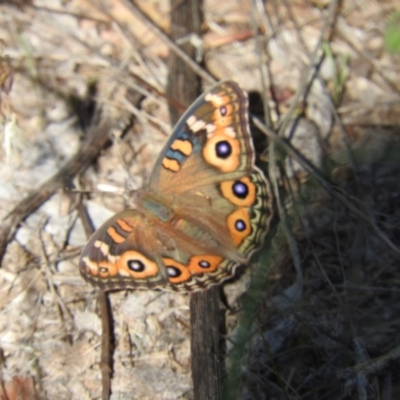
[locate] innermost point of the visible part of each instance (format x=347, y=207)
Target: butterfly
x=204, y=212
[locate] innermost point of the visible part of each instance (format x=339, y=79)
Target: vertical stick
x=184, y=86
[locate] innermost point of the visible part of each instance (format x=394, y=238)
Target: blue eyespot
x=204, y=264
x=173, y=272
x=222, y=110
x=240, y=225
x=136, y=265
x=223, y=149
x=240, y=189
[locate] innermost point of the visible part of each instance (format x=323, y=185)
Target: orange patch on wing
x=240, y=216
x=184, y=146
x=107, y=269
x=136, y=265
x=103, y=269
x=222, y=121
x=170, y=164
x=183, y=273
x=204, y=264
x=228, y=164
x=115, y=236
x=228, y=193
x=124, y=225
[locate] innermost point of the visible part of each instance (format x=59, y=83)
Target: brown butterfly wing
x=206, y=173
x=123, y=253
x=205, y=211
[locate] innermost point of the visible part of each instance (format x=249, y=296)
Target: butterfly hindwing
x=121, y=254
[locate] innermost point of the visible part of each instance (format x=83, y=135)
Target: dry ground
x=323, y=303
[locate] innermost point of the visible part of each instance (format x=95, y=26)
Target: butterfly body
x=204, y=212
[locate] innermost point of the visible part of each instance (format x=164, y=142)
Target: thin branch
x=96, y=140
x=171, y=45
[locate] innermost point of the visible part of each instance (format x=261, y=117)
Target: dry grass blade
x=320, y=320
x=96, y=141
x=172, y=45
x=356, y=207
